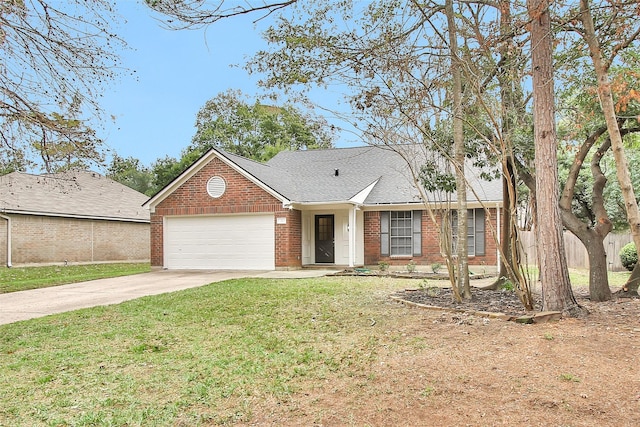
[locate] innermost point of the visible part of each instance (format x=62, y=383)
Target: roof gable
x=260, y=174
x=79, y=194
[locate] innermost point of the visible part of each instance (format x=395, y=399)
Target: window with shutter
x=401, y=233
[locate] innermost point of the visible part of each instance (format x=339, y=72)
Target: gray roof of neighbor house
x=78, y=194
x=339, y=174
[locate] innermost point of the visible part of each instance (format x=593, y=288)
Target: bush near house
x=629, y=256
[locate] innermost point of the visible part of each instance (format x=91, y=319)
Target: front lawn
x=197, y=355
x=322, y=351
x=23, y=278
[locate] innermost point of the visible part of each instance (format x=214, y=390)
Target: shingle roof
x=74, y=194
x=335, y=175
x=274, y=177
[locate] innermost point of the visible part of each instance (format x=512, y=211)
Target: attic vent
x=216, y=186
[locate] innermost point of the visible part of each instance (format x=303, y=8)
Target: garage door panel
x=220, y=242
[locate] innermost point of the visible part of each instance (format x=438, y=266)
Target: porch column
x=352, y=236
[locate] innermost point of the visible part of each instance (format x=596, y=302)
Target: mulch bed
x=489, y=301
x=495, y=303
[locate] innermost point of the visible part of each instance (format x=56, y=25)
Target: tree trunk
x=509, y=252
x=608, y=109
x=591, y=236
x=557, y=294
x=512, y=111
x=598, y=276
x=459, y=156
x=632, y=284
x=593, y=241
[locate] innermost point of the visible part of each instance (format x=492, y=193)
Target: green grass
x=23, y=278
x=580, y=277
x=203, y=356
x=194, y=357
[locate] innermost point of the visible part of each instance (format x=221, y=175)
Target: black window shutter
x=384, y=233
x=479, y=229
x=417, y=233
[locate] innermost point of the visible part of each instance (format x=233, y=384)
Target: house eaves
x=74, y=216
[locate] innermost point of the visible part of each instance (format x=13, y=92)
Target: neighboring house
x=70, y=217
x=340, y=207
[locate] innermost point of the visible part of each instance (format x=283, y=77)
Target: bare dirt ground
x=435, y=368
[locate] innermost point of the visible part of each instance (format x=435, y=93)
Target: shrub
x=629, y=256
x=383, y=266
x=411, y=266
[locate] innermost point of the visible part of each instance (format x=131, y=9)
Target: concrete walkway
x=24, y=305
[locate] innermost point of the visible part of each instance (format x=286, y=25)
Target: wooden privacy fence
x=576, y=253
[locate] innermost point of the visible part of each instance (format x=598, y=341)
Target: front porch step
x=324, y=267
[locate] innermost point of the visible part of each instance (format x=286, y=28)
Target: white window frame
x=389, y=233
x=475, y=232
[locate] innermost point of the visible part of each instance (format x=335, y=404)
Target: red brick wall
x=372, y=237
x=430, y=242
x=289, y=239
x=241, y=196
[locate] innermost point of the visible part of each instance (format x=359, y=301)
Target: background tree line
x=228, y=121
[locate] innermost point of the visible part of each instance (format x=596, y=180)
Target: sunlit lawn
x=580, y=278
x=23, y=278
x=198, y=356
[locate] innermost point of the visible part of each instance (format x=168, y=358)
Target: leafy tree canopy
x=256, y=131
x=56, y=59
x=131, y=173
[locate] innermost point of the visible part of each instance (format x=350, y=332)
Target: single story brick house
x=342, y=207
x=74, y=217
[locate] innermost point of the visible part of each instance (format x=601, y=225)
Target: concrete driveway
x=16, y=306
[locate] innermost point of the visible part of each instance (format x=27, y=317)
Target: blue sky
x=176, y=73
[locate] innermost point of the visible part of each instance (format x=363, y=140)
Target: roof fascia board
x=430, y=205
x=389, y=206
x=199, y=164
x=74, y=216
x=339, y=204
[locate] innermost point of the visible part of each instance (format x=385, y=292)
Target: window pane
x=475, y=232
x=401, y=231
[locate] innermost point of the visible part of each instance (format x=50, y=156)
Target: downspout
x=8, y=239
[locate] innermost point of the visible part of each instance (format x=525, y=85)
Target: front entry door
x=324, y=239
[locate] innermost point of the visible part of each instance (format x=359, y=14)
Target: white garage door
x=244, y=242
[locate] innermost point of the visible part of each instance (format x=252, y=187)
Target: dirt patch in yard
x=413, y=367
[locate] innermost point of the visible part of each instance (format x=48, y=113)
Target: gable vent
x=216, y=186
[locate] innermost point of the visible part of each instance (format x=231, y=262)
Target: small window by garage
x=216, y=186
